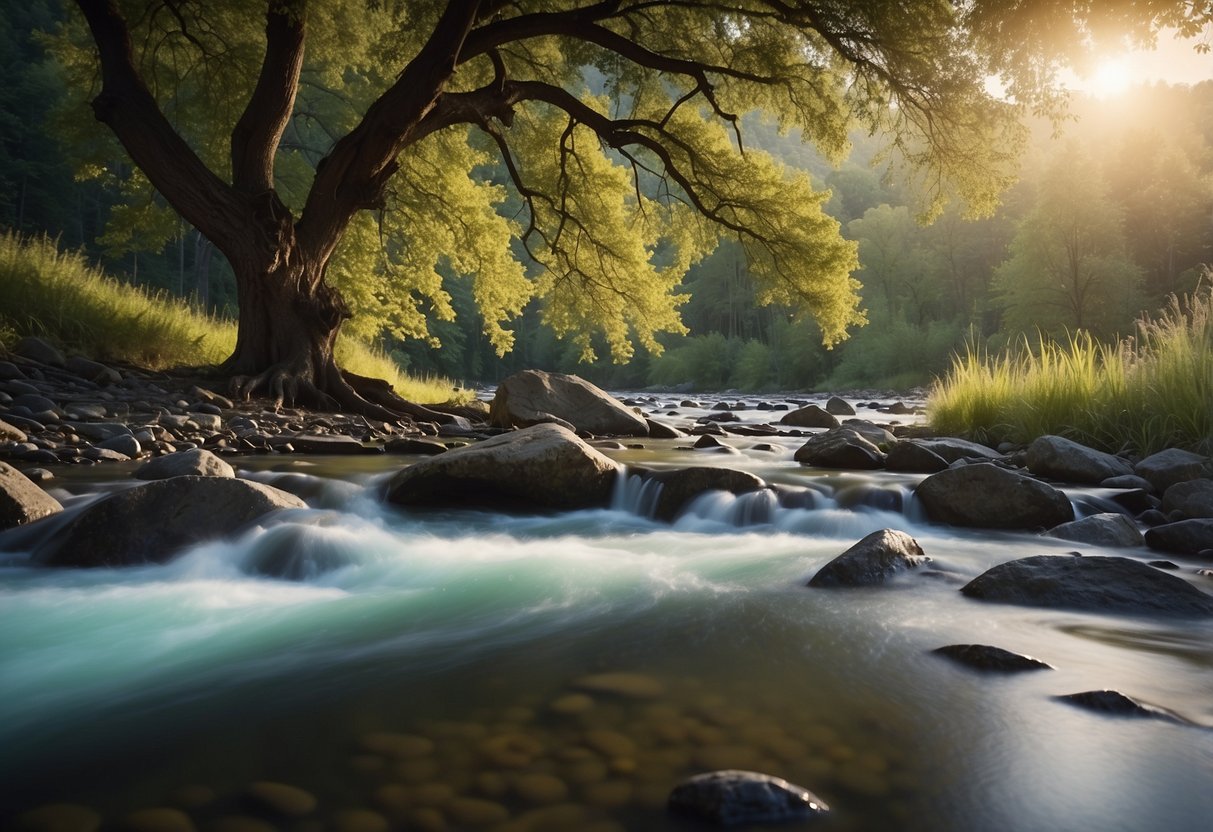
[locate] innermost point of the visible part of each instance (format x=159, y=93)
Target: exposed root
x=381, y=393
x=293, y=384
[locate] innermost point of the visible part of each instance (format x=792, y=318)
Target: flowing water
x=446, y=669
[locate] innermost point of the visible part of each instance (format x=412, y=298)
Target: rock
x=731, y=797
x=211, y=397
x=912, y=456
x=1193, y=499
x=1187, y=537
x=620, y=684
x=92, y=370
x=21, y=500
x=877, y=557
x=1063, y=459
x=810, y=416
x=156, y=820
x=359, y=820
x=953, y=449
x=35, y=403
x=660, y=430
x=1127, y=481
x=1095, y=584
x=1166, y=468
x=1108, y=529
x=99, y=431
x=197, y=462
x=874, y=433
x=985, y=496
x=839, y=407
x=994, y=659
x=126, y=445
x=1116, y=703
x=538, y=468
x=840, y=448
x=38, y=350
x=103, y=455
x=473, y=812
x=153, y=522
x=280, y=799
x=58, y=817
x=533, y=396
x=680, y=486
x=413, y=445
x=10, y=371
x=314, y=443
x=11, y=433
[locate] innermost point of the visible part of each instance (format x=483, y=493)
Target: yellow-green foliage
x=60, y=296
x=1146, y=393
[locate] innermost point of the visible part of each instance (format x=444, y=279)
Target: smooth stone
x=985, y=657
x=1186, y=537
x=1193, y=499
x=731, y=797
x=196, y=462
x=412, y=445
x=35, y=403
x=280, y=799
x=986, y=496
x=10, y=371
x=58, y=817
x=873, y=560
x=839, y=407
x=840, y=448
x=21, y=500
x=533, y=396
x=38, y=349
x=572, y=703
x=621, y=684
x=322, y=444
x=1115, y=703
x=1108, y=529
x=99, y=431
x=1064, y=459
x=239, y=823
x=953, y=449
x=1127, y=481
x=912, y=456
x=810, y=416
x=1095, y=584
x=660, y=430
x=208, y=421
x=359, y=820
x=103, y=455
x=93, y=371
x=1166, y=468
x=11, y=433
x=473, y=811
x=156, y=820
x=126, y=445
x=539, y=788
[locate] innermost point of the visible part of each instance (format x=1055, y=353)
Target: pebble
x=281, y=799
x=472, y=811
x=573, y=703
x=610, y=743
x=626, y=685
x=610, y=794
x=59, y=817
x=239, y=823
x=511, y=750
x=359, y=820
x=157, y=820
x=540, y=788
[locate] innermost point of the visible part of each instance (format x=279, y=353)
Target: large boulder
x=680, y=486
x=913, y=456
x=952, y=448
x=538, y=468
x=840, y=448
x=1173, y=465
x=21, y=500
x=534, y=397
x=1063, y=459
x=986, y=496
x=1095, y=584
x=1187, y=537
x=731, y=798
x=1191, y=499
x=154, y=522
x=1108, y=529
x=839, y=406
x=197, y=462
x=877, y=557
x=810, y=416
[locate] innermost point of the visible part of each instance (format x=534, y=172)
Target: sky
x=1174, y=61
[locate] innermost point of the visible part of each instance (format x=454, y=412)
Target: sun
x=1110, y=78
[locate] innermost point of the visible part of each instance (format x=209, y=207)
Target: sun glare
x=1110, y=78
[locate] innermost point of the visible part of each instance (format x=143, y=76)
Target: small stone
x=281, y=799
x=984, y=657
x=573, y=703
x=359, y=820
x=733, y=797
x=40, y=350
x=157, y=820
x=58, y=817
x=540, y=788
x=622, y=684
x=610, y=743
x=873, y=560
x=127, y=445
x=1118, y=704
x=1107, y=529
x=472, y=811
x=240, y=823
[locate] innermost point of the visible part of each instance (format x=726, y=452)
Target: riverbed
x=460, y=669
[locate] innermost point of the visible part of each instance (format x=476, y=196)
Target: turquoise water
x=476, y=631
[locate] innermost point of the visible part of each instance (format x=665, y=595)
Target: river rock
x=315, y=443
x=1108, y=529
x=622, y=684
x=877, y=557
x=197, y=462
x=38, y=350
x=839, y=407
x=953, y=449
x=153, y=522
x=1064, y=459
x=532, y=396
x=127, y=445
x=157, y=819
x=1192, y=499
x=732, y=797
x=1095, y=584
x=99, y=431
x=11, y=433
x=1166, y=468
x=414, y=445
x=912, y=456
x=680, y=486
x=21, y=500
x=93, y=371
x=840, y=447
x=1187, y=537
x=1118, y=704
x=660, y=430
x=876, y=434
x=537, y=468
x=985, y=496
x=993, y=659
x=58, y=817
x=280, y=799
x=810, y=416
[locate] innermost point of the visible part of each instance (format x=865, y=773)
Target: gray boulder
x=809, y=416
x=840, y=448
x=912, y=456
x=1192, y=499
x=1173, y=465
x=874, y=433
x=1094, y=584
x=1063, y=459
x=1108, y=529
x=734, y=798
x=952, y=449
x=538, y=468
x=839, y=407
x=985, y=496
x=154, y=522
x=680, y=486
x=21, y=500
x=991, y=659
x=92, y=371
x=873, y=560
x=39, y=350
x=99, y=431
x=1187, y=537
x=533, y=397
x=197, y=462
x=660, y=430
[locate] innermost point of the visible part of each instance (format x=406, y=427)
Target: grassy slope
x=58, y=295
x=1148, y=393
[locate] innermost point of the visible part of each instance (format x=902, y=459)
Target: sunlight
x=1110, y=78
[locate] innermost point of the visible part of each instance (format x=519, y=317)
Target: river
x=444, y=668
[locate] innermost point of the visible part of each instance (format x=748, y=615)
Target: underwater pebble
x=359, y=820
x=570, y=704
x=626, y=685
x=511, y=750
x=280, y=798
x=608, y=795
x=492, y=783
x=239, y=823
x=157, y=819
x=431, y=794
x=540, y=788
x=610, y=743
x=427, y=820
x=418, y=770
x=744, y=797
x=472, y=811
x=589, y=770
x=59, y=817
x=400, y=746
x=563, y=817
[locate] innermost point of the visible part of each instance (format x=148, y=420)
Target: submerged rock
x=21, y=500
x=58, y=817
x=541, y=468
x=993, y=659
x=1064, y=459
x=534, y=397
x=680, y=486
x=872, y=560
x=986, y=496
x=1108, y=529
x=153, y=522
x=1118, y=704
x=1095, y=584
x=1186, y=537
x=731, y=797
x=623, y=684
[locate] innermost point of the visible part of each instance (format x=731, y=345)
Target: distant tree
x=201, y=95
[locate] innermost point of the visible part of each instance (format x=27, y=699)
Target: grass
x=58, y=295
x=1147, y=393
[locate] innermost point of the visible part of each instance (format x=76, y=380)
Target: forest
x=1110, y=214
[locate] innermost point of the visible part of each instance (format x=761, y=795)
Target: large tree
x=613, y=194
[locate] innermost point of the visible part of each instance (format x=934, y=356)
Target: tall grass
x=60, y=296
x=1149, y=392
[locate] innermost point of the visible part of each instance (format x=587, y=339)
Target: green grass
x=59, y=296
x=1149, y=392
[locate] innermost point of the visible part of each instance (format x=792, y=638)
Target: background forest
x=1107, y=220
